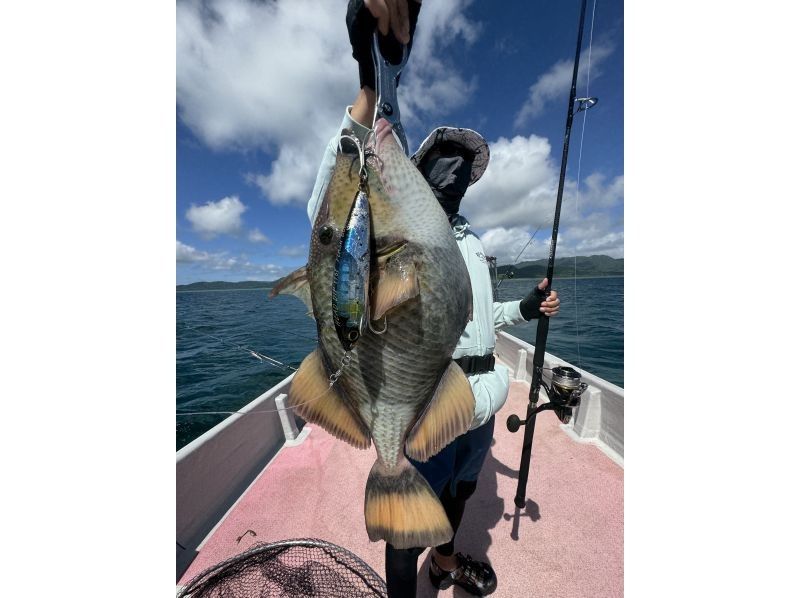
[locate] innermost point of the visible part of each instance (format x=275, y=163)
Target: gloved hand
x=362, y=18
x=538, y=302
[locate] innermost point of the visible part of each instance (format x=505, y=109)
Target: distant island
x=592, y=266
x=221, y=285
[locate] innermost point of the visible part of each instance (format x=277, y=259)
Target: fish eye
x=325, y=234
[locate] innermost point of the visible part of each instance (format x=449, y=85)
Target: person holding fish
x=450, y=160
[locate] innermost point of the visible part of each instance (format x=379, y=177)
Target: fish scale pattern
x=392, y=376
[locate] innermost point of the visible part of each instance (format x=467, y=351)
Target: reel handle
x=513, y=423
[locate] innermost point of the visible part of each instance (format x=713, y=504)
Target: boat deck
x=567, y=542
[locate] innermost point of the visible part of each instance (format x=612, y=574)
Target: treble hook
x=350, y=136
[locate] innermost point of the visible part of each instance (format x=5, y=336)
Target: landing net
x=304, y=567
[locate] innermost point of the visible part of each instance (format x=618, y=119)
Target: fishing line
x=578, y=190
x=333, y=378
x=253, y=353
x=499, y=282
x=526, y=244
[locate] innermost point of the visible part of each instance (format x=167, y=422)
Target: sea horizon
x=215, y=332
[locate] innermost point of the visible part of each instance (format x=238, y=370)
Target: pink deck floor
x=567, y=542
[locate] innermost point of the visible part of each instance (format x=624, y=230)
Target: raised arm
x=398, y=17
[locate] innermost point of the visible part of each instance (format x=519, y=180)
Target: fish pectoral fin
x=396, y=282
x=312, y=398
x=295, y=284
x=447, y=416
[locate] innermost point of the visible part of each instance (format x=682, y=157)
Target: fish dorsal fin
x=295, y=284
x=315, y=401
x=396, y=282
x=447, y=416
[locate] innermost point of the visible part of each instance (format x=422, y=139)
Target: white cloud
x=185, y=254
x=609, y=244
x=596, y=194
x=594, y=239
x=222, y=266
x=518, y=187
x=432, y=85
x=289, y=180
x=517, y=195
x=592, y=233
x=277, y=76
x=217, y=217
x=252, y=74
x=256, y=236
x=555, y=83
x=294, y=251
x=508, y=244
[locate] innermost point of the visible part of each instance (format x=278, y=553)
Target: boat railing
x=215, y=469
x=599, y=419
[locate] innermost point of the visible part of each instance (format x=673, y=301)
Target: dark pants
x=401, y=564
x=453, y=475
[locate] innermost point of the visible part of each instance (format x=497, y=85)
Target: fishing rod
x=509, y=273
x=566, y=386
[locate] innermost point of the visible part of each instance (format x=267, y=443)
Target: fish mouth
x=384, y=132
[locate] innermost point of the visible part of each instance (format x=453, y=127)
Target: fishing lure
x=352, y=269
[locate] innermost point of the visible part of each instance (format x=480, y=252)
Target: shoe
x=475, y=577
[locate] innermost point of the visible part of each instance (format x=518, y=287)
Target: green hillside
x=584, y=266
x=221, y=285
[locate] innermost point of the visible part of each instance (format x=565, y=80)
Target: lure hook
x=385, y=327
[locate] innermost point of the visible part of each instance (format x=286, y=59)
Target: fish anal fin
x=447, y=416
x=295, y=284
x=396, y=282
x=313, y=399
x=401, y=508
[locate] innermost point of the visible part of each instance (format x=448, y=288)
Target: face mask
x=448, y=177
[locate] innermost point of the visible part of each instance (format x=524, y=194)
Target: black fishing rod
x=566, y=387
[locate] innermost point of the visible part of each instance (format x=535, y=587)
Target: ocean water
x=214, y=372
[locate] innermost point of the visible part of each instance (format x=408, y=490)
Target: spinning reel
x=564, y=393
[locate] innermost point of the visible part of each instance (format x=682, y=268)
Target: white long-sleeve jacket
x=490, y=388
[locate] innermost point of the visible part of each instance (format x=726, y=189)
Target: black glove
x=529, y=307
x=361, y=25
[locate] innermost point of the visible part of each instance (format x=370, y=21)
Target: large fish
x=399, y=389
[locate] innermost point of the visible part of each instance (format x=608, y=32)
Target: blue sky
x=261, y=87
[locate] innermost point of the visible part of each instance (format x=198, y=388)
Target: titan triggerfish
x=397, y=386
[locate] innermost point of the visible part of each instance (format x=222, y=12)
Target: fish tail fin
x=401, y=508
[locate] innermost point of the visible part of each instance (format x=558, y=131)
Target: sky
x=262, y=87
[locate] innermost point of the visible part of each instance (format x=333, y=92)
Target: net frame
x=338, y=560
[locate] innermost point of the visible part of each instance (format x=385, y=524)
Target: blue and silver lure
x=352, y=270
